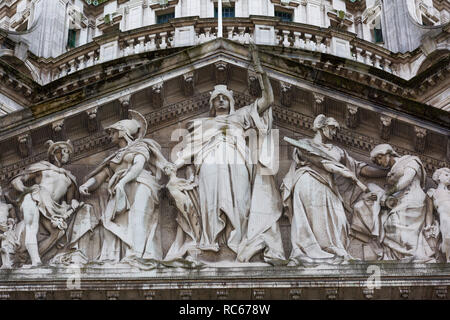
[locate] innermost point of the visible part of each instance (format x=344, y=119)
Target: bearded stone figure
x=234, y=197
x=313, y=196
x=406, y=217
x=51, y=196
x=131, y=217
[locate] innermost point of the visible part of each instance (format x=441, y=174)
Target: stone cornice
x=327, y=70
x=396, y=281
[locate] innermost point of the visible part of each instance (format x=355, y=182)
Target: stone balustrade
x=194, y=31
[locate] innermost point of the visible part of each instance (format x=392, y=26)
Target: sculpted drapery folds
x=441, y=200
x=320, y=186
x=407, y=220
x=131, y=216
x=236, y=199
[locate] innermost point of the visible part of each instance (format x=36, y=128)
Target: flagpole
x=219, y=19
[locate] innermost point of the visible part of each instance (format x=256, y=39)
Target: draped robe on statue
x=316, y=202
x=402, y=233
x=131, y=216
x=237, y=195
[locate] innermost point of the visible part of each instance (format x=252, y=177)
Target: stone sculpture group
x=227, y=200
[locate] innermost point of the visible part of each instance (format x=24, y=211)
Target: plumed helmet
x=129, y=127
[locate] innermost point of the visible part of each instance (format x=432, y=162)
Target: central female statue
x=239, y=206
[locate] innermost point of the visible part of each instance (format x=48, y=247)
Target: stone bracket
x=352, y=116
x=189, y=83
x=221, y=72
x=125, y=105
x=286, y=93
x=318, y=103
x=420, y=139
x=59, y=130
x=158, y=95
x=93, y=122
x=24, y=145
x=385, y=127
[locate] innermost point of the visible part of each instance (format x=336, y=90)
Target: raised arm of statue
x=94, y=183
x=266, y=88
